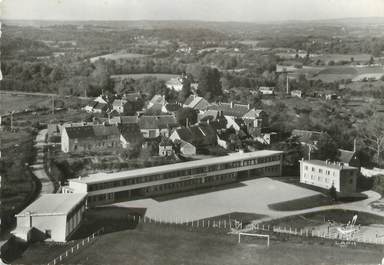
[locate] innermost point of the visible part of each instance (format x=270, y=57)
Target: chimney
x=231, y=105
x=248, y=106
x=354, y=145
x=187, y=123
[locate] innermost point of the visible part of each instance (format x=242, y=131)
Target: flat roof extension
x=53, y=204
x=104, y=177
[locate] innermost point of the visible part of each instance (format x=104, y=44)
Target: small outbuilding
x=55, y=216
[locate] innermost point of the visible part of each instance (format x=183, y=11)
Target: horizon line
x=193, y=20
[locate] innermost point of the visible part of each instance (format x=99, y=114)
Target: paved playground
x=251, y=196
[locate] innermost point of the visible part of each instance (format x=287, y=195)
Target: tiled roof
x=158, y=99
x=131, y=132
x=202, y=134
x=231, y=109
x=157, y=122
x=253, y=114
x=165, y=142
x=91, y=131
x=172, y=107
x=196, y=102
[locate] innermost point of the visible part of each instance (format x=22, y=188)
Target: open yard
x=9, y=102
x=251, y=196
x=153, y=244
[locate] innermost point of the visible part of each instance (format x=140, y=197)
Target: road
x=38, y=170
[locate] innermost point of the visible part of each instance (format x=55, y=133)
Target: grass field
x=321, y=217
x=117, y=56
x=303, y=203
x=10, y=103
x=164, y=77
x=153, y=244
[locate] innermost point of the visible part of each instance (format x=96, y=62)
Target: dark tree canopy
x=186, y=114
x=209, y=84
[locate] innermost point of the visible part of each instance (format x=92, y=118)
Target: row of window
x=320, y=170
x=181, y=173
x=94, y=146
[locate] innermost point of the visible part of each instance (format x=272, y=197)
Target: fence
x=80, y=244
x=235, y=227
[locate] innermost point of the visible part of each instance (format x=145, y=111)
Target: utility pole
x=11, y=121
x=53, y=104
x=287, y=83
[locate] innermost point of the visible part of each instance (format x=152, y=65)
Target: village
x=215, y=138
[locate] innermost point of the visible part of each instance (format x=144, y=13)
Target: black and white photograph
x=192, y=132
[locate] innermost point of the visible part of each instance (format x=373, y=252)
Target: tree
x=209, y=84
x=372, y=132
x=326, y=148
x=333, y=193
x=186, y=114
x=186, y=91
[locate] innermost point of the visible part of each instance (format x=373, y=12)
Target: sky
x=208, y=10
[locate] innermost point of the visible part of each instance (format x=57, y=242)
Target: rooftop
x=329, y=164
x=103, y=177
x=58, y=203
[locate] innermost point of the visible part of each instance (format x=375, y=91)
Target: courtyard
x=252, y=196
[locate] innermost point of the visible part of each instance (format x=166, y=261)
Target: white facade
x=326, y=174
x=56, y=216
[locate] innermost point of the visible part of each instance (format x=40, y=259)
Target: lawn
x=16, y=103
x=153, y=244
x=321, y=217
x=302, y=203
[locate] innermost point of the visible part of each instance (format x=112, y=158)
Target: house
x=325, y=174
x=297, y=93
x=255, y=118
x=55, y=216
x=175, y=84
x=201, y=136
x=165, y=147
x=171, y=107
x=130, y=135
x=155, y=126
x=309, y=138
x=331, y=96
x=231, y=109
x=349, y=158
x=123, y=120
x=196, y=103
x=124, y=106
x=156, y=103
x=268, y=138
x=267, y=91
x=90, y=138
x=98, y=105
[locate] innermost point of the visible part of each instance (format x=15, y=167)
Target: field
x=321, y=217
x=117, y=56
x=16, y=103
x=362, y=57
x=299, y=204
x=164, y=77
x=153, y=244
x=251, y=196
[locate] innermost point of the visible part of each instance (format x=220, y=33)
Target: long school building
x=103, y=188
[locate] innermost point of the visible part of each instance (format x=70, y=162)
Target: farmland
x=117, y=56
x=17, y=103
x=164, y=77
